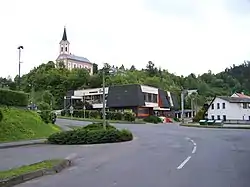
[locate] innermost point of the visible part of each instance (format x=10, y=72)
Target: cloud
x=182, y=36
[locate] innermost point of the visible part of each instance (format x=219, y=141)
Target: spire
x=64, y=38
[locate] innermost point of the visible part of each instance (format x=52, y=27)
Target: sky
x=182, y=36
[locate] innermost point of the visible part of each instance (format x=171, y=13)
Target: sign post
x=84, y=108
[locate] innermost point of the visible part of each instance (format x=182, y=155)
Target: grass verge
x=137, y=121
x=20, y=124
x=213, y=126
x=47, y=164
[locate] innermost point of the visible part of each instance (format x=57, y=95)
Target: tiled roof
x=242, y=95
x=235, y=99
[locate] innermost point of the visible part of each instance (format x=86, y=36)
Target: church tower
x=64, y=44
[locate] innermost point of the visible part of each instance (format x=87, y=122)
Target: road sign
x=71, y=108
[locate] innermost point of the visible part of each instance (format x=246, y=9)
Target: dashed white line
x=194, y=150
x=189, y=157
x=183, y=163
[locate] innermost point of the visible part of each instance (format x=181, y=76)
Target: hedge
x=153, y=119
x=13, y=98
x=126, y=116
x=91, y=134
x=1, y=115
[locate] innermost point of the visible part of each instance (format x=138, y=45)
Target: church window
x=66, y=49
x=61, y=49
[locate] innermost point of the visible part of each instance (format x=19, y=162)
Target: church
x=72, y=61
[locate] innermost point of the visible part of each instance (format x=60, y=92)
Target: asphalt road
x=160, y=156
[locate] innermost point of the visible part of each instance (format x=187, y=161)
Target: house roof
x=242, y=95
x=235, y=99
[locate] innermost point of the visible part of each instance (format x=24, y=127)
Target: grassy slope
x=19, y=124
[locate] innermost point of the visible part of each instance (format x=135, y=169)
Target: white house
x=230, y=108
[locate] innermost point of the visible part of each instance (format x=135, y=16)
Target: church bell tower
x=64, y=44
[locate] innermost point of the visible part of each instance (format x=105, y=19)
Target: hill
x=19, y=124
x=59, y=80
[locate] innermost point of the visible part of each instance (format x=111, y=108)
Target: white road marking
x=184, y=162
x=189, y=157
x=194, y=150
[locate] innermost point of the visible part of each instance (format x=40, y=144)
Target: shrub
x=128, y=116
x=1, y=115
x=90, y=136
x=45, y=111
x=97, y=126
x=13, y=98
x=199, y=116
x=93, y=114
x=176, y=119
x=153, y=119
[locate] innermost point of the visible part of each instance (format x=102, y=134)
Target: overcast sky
x=182, y=36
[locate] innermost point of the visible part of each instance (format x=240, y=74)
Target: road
x=160, y=156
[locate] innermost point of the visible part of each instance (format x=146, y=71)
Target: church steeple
x=64, y=38
x=64, y=44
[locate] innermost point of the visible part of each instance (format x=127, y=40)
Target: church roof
x=64, y=38
x=74, y=57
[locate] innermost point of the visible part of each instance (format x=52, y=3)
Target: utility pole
x=182, y=106
x=103, y=99
x=19, y=67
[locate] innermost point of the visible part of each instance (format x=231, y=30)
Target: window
x=224, y=118
x=212, y=106
x=223, y=105
x=218, y=117
x=61, y=49
x=74, y=65
x=218, y=105
x=66, y=49
x=244, y=105
x=212, y=117
x=154, y=98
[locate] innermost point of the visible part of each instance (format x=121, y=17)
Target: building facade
x=141, y=99
x=227, y=108
x=69, y=60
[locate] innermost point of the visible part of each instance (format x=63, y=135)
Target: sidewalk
x=21, y=143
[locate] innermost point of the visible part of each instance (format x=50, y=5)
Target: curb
x=214, y=127
x=67, y=162
x=20, y=144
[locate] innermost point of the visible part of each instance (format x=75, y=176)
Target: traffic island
x=25, y=173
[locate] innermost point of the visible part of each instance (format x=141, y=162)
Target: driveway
x=161, y=155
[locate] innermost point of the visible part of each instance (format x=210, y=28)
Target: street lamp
x=19, y=69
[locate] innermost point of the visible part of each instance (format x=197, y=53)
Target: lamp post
x=103, y=99
x=19, y=67
x=113, y=70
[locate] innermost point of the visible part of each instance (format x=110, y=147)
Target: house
x=226, y=108
x=141, y=99
x=69, y=60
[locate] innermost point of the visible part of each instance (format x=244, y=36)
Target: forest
x=59, y=80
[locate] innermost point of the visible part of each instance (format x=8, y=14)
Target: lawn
x=47, y=164
x=21, y=124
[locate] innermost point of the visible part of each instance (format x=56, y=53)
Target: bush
x=45, y=111
x=128, y=116
x=63, y=112
x=176, y=119
x=98, y=126
x=90, y=136
x=1, y=116
x=13, y=98
x=153, y=119
x=199, y=116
